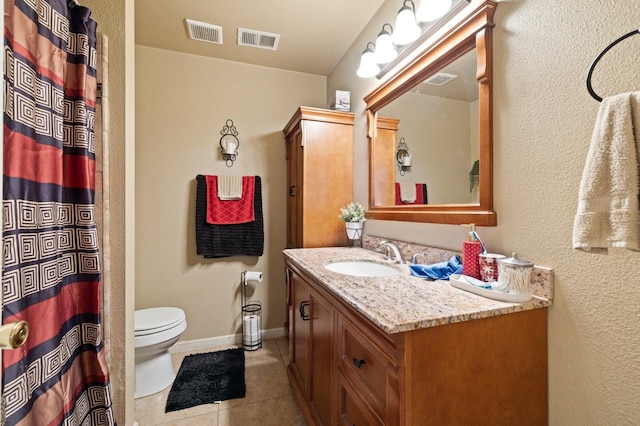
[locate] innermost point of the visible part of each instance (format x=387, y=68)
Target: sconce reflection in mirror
x=229, y=143
x=403, y=158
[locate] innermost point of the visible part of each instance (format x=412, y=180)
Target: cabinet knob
x=292, y=191
x=303, y=314
x=359, y=362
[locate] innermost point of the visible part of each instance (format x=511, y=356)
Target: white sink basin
x=360, y=268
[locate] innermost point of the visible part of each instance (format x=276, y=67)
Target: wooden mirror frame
x=471, y=28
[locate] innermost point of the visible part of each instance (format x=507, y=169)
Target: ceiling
x=464, y=87
x=314, y=35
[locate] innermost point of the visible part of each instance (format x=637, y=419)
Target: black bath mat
x=206, y=378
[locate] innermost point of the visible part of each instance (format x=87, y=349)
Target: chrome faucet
x=415, y=257
x=390, y=249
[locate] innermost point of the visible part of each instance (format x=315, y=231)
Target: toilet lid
x=154, y=320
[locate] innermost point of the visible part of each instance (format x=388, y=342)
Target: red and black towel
x=421, y=194
x=229, y=239
x=230, y=212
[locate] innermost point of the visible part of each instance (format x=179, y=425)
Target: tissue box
x=341, y=101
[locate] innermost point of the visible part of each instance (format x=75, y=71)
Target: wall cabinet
x=382, y=192
x=319, y=176
x=344, y=370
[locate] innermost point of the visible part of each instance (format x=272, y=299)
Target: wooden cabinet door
x=299, y=320
x=294, y=190
x=321, y=358
x=382, y=192
x=319, y=176
x=327, y=182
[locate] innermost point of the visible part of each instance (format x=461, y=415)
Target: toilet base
x=153, y=375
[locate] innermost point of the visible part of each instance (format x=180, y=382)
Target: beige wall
x=182, y=103
x=437, y=132
x=543, y=122
x=115, y=20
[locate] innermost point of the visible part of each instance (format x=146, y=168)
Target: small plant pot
x=354, y=230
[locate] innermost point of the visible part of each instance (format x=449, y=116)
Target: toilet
x=156, y=330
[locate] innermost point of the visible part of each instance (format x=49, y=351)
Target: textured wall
x=543, y=119
x=182, y=102
x=115, y=20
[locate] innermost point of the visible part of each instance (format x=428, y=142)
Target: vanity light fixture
x=403, y=158
x=431, y=10
x=411, y=27
x=229, y=143
x=385, y=51
x=368, y=66
x=406, y=29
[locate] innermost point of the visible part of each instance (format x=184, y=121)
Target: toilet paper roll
x=251, y=330
x=252, y=276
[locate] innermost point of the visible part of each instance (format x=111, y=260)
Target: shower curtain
x=51, y=273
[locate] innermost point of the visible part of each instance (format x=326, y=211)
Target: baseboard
x=212, y=342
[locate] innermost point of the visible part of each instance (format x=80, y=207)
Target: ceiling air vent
x=440, y=79
x=202, y=31
x=258, y=39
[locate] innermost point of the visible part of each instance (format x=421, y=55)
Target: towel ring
x=593, y=94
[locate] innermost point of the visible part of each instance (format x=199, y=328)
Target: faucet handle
x=381, y=246
x=414, y=259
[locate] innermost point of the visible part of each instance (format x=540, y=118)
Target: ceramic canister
x=489, y=266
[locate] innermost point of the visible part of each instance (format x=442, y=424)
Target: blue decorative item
x=437, y=271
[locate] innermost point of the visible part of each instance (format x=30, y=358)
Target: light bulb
x=406, y=30
x=385, y=51
x=430, y=10
x=368, y=67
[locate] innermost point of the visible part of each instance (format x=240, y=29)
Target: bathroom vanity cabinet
x=346, y=370
x=319, y=176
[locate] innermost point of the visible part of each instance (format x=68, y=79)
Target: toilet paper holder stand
x=251, y=314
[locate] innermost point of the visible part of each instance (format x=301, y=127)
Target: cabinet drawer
x=365, y=366
x=353, y=411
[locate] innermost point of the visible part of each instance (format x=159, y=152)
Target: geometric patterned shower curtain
x=51, y=273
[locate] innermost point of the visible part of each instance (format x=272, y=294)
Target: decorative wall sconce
x=229, y=143
x=403, y=158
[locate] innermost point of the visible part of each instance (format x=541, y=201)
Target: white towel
x=408, y=192
x=608, y=213
x=229, y=187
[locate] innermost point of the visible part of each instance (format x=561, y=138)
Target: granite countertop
x=401, y=302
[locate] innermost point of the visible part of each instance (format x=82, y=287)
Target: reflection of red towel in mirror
x=228, y=212
x=421, y=194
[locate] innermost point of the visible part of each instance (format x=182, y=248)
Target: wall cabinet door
x=294, y=190
x=319, y=176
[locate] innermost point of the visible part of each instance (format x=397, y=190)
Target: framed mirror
x=440, y=104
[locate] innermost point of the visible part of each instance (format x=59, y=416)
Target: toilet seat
x=156, y=320
x=156, y=331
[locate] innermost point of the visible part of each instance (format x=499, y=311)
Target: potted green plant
x=474, y=175
x=353, y=216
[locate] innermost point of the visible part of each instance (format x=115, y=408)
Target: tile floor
x=268, y=401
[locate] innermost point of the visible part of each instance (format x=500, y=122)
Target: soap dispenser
x=471, y=250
